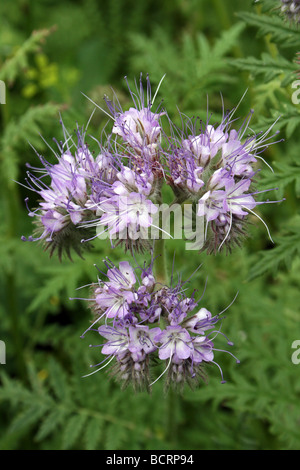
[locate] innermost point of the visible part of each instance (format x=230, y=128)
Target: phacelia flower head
x=116, y=192
x=215, y=167
x=144, y=323
x=64, y=192
x=138, y=128
x=148, y=329
x=127, y=213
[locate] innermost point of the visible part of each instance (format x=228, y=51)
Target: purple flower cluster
x=127, y=214
x=143, y=322
x=69, y=202
x=215, y=167
x=115, y=190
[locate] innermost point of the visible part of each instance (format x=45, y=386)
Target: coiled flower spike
x=68, y=203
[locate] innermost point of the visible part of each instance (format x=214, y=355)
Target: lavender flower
x=117, y=339
x=127, y=217
x=115, y=296
x=142, y=340
x=115, y=193
x=126, y=214
x=131, y=353
x=175, y=342
x=139, y=127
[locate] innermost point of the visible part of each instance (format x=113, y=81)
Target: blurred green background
x=50, y=53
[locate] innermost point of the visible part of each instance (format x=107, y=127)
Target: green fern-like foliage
x=70, y=414
x=274, y=101
x=277, y=66
x=269, y=384
x=268, y=66
x=194, y=68
x=286, y=249
x=21, y=130
x=14, y=65
x=281, y=32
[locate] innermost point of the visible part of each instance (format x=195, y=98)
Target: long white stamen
x=254, y=213
x=94, y=372
x=235, y=109
x=159, y=228
x=227, y=234
x=163, y=371
x=92, y=324
x=99, y=107
x=90, y=118
x=268, y=130
x=261, y=158
x=158, y=87
x=246, y=126
x=229, y=304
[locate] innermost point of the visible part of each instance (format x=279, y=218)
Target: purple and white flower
x=175, y=341
x=139, y=128
x=233, y=199
x=142, y=339
x=143, y=320
x=68, y=191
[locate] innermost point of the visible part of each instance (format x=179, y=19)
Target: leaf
x=283, y=33
x=114, y=437
x=195, y=65
x=14, y=391
x=268, y=94
x=58, y=380
x=18, y=133
x=285, y=250
x=60, y=279
x=13, y=66
x=284, y=174
x=285, y=114
x=268, y=66
x=93, y=431
x=50, y=424
x=28, y=417
x=72, y=430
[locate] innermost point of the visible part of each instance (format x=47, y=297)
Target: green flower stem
x=221, y=10
x=171, y=417
x=162, y=278
x=160, y=267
